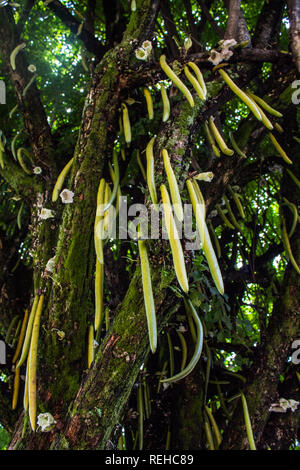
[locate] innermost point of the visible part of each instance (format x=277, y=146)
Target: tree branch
x=91, y=43
x=219, y=31
x=233, y=19
x=294, y=16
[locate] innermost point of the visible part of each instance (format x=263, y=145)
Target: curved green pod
x=176, y=80
x=26, y=343
x=280, y=149
x=115, y=182
x=196, y=85
x=90, y=345
x=21, y=337
x=99, y=278
x=150, y=171
x=231, y=214
x=223, y=217
x=214, y=425
x=60, y=180
x=175, y=243
x=199, y=76
x=197, y=352
x=216, y=241
x=220, y=141
x=235, y=146
x=198, y=208
x=237, y=201
x=248, y=423
x=126, y=124
x=138, y=157
x=211, y=140
x=14, y=54
x=174, y=190
x=287, y=247
x=32, y=385
x=21, y=161
x=264, y=105
x=98, y=224
x=166, y=103
x=241, y=94
x=149, y=103
x=206, y=241
x=148, y=295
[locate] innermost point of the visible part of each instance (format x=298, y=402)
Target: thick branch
x=233, y=19
x=294, y=16
x=91, y=43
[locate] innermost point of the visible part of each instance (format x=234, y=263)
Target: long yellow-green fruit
x=176, y=248
x=98, y=229
x=116, y=178
x=248, y=101
x=140, y=410
x=216, y=241
x=197, y=352
x=220, y=141
x=280, y=149
x=148, y=295
x=196, y=85
x=237, y=201
x=294, y=211
x=90, y=346
x=264, y=105
x=60, y=180
x=14, y=53
x=150, y=171
x=214, y=426
x=107, y=220
x=176, y=80
x=287, y=247
x=171, y=353
x=16, y=389
x=174, y=190
x=294, y=178
x=206, y=242
x=32, y=386
x=264, y=119
x=21, y=337
x=99, y=278
x=223, y=217
x=149, y=103
x=248, y=423
x=138, y=157
x=26, y=343
x=211, y=140
x=199, y=77
x=166, y=103
x=208, y=433
x=21, y=161
x=235, y=146
x=199, y=196
x=119, y=193
x=126, y=124
x=26, y=391
x=198, y=208
x=231, y=214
